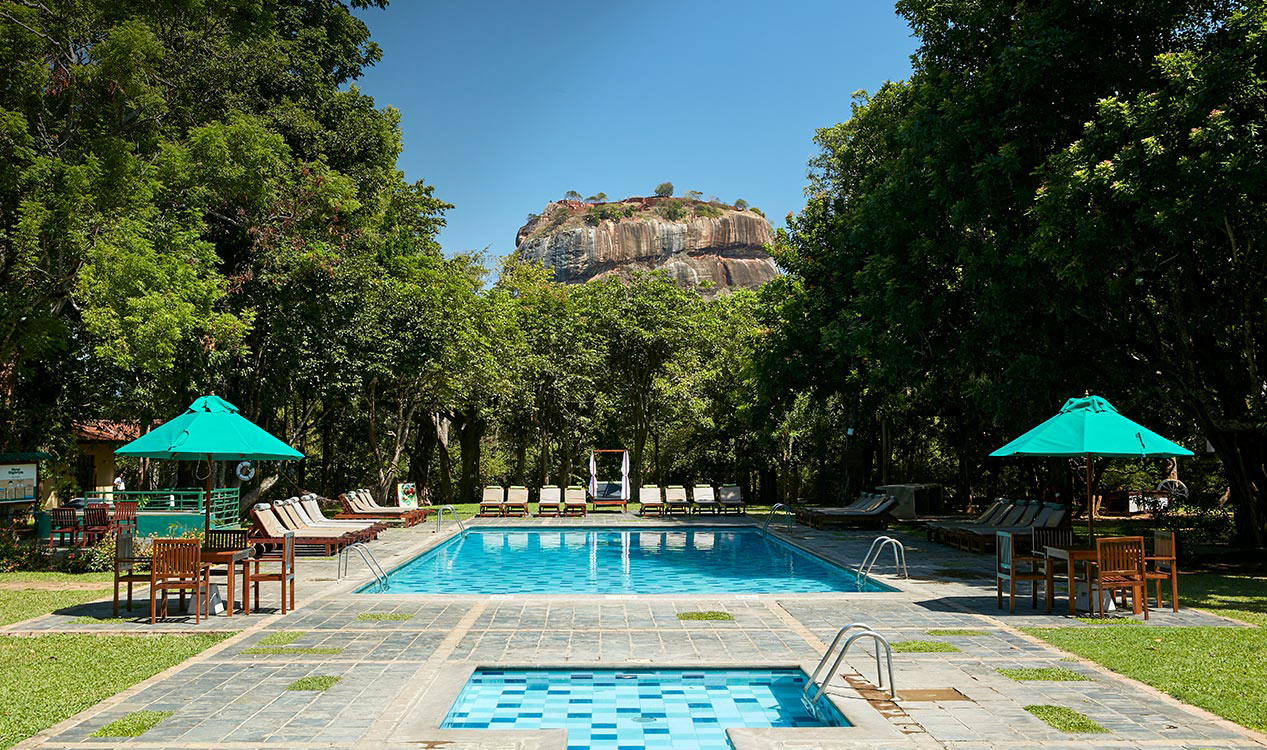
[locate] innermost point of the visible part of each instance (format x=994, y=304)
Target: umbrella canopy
x=211, y=429
x=1090, y=426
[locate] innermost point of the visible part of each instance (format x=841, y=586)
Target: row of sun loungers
x=1020, y=517
x=360, y=505
x=312, y=530
x=871, y=510
x=573, y=501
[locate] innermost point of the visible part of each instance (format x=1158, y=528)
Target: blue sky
x=507, y=105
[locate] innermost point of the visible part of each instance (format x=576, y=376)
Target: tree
x=693, y=195
x=741, y=204
x=572, y=195
x=664, y=189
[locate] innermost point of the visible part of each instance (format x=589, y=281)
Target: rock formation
x=694, y=241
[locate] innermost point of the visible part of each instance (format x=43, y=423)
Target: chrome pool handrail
x=888, y=651
x=873, y=556
x=454, y=511
x=367, y=556
x=787, y=515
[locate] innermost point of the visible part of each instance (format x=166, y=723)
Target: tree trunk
x=444, y=460
x=470, y=432
x=1243, y=453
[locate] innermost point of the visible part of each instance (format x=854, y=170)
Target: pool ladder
x=787, y=515
x=454, y=512
x=865, y=631
x=878, y=545
x=371, y=562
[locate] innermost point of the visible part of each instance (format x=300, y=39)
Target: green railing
x=224, y=502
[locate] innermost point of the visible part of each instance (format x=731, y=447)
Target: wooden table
x=229, y=558
x=1072, y=556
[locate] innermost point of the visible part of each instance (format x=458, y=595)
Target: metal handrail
x=888, y=651
x=827, y=655
x=873, y=556
x=367, y=556
x=440, y=514
x=787, y=515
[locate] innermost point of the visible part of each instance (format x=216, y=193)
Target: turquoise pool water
x=622, y=710
x=712, y=560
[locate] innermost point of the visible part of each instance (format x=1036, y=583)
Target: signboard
x=17, y=482
x=407, y=495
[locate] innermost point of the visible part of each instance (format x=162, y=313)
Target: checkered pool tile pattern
x=636, y=709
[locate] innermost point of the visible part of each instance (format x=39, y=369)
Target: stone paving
x=398, y=674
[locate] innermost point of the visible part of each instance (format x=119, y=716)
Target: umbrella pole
x=207, y=500
x=1090, y=502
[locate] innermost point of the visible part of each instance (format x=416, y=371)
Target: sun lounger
x=702, y=499
x=491, y=502
x=732, y=499
x=550, y=501
x=291, y=519
x=312, y=509
x=373, y=528
x=358, y=505
x=876, y=514
x=574, y=502
x=1000, y=506
x=1047, y=516
x=652, y=501
x=414, y=515
x=675, y=500
x=268, y=531
x=608, y=495
x=516, y=502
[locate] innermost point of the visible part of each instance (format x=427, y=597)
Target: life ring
x=246, y=472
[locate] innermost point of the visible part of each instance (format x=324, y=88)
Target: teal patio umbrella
x=1091, y=427
x=211, y=429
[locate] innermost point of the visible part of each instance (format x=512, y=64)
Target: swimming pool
x=610, y=709
x=589, y=560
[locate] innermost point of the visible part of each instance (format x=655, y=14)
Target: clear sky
x=507, y=105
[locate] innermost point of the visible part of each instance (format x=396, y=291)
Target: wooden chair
x=125, y=562
x=97, y=523
x=1162, y=565
x=1043, y=538
x=65, y=524
x=1119, y=565
x=177, y=564
x=227, y=540
x=284, y=554
x=1007, y=568
x=125, y=516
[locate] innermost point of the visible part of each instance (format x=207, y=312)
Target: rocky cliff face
x=694, y=242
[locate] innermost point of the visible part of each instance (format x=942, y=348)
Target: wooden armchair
x=125, y=563
x=97, y=523
x=1119, y=565
x=177, y=564
x=285, y=554
x=1012, y=567
x=125, y=515
x=1162, y=565
x=65, y=524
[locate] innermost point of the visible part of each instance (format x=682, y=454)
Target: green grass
x=384, y=616
x=16, y=606
x=705, y=616
x=47, y=679
x=1109, y=620
x=1219, y=669
x=281, y=638
x=276, y=650
x=90, y=620
x=1044, y=674
x=956, y=631
x=1066, y=719
x=314, y=682
x=44, y=576
x=134, y=724
x=922, y=647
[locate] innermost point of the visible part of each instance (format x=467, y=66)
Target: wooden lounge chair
x=652, y=501
x=177, y=565
x=865, y=501
x=731, y=499
x=284, y=554
x=1018, y=515
x=125, y=562
x=702, y=499
x=124, y=516
x=550, y=501
x=876, y=514
x=292, y=522
x=516, y=502
x=267, y=531
x=1119, y=566
x=608, y=495
x=675, y=500
x=936, y=529
x=1042, y=516
x=96, y=523
x=491, y=502
x=574, y=502
x=363, y=501
x=369, y=527
x=1163, y=565
x=312, y=515
x=65, y=525
x=1011, y=567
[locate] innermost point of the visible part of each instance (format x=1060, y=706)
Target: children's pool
x=705, y=560
x=615, y=709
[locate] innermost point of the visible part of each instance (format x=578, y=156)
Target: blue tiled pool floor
x=632, y=710
x=702, y=560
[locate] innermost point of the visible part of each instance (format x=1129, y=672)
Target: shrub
x=14, y=555
x=741, y=204
x=664, y=189
x=707, y=209
x=757, y=211
x=672, y=210
x=693, y=195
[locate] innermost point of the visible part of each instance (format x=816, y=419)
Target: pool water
x=714, y=560
x=622, y=710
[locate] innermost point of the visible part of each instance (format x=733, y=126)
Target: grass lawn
x=1218, y=669
x=52, y=677
x=23, y=604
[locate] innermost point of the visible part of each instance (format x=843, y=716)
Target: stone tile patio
x=398, y=676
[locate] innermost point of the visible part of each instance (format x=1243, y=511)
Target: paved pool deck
x=399, y=676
